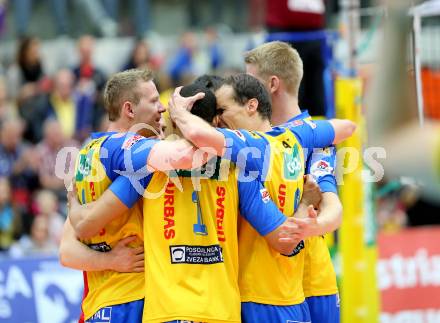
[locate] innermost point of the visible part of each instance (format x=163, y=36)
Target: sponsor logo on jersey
x=321, y=168
x=282, y=196
x=196, y=255
x=101, y=246
x=84, y=165
x=292, y=164
x=295, y=123
x=220, y=212
x=102, y=316
x=168, y=212
x=265, y=196
x=297, y=250
x=131, y=141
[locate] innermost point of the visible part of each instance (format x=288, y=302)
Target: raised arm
x=121, y=258
x=193, y=128
x=327, y=220
x=343, y=128
x=178, y=154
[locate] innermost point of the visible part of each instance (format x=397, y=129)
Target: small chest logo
x=292, y=164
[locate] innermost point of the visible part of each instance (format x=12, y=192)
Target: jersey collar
x=304, y=114
x=96, y=135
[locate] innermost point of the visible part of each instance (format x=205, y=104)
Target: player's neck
x=259, y=124
x=284, y=108
x=117, y=126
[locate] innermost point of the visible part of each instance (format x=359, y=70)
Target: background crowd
x=51, y=99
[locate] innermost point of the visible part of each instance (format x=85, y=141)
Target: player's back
x=105, y=288
x=282, y=174
x=192, y=249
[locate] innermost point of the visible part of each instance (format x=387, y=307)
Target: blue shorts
x=121, y=313
x=262, y=313
x=324, y=309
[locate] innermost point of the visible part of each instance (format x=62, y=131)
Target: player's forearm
x=343, y=128
x=330, y=216
x=74, y=254
x=301, y=212
x=88, y=219
x=84, y=222
x=199, y=132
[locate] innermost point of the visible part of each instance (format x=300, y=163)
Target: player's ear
x=274, y=83
x=127, y=109
x=252, y=106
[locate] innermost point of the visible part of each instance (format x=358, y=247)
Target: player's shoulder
x=127, y=140
x=244, y=134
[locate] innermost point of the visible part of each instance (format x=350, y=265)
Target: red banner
x=409, y=275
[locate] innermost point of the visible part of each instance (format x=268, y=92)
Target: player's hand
x=125, y=259
x=179, y=102
x=311, y=192
x=297, y=229
x=288, y=233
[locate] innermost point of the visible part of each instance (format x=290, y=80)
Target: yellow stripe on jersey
x=105, y=288
x=266, y=276
x=191, y=250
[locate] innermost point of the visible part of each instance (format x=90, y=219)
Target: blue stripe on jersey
x=125, y=155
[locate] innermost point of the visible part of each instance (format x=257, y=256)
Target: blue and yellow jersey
x=277, y=159
x=97, y=165
x=319, y=274
x=191, y=242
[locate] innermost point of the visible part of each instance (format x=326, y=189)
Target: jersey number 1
x=199, y=228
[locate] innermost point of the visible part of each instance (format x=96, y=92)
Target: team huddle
x=217, y=222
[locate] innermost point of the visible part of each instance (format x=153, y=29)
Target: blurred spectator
x=88, y=76
x=141, y=57
x=46, y=152
x=72, y=110
x=216, y=17
x=89, y=79
x=213, y=49
x=2, y=16
x=17, y=161
x=7, y=109
x=98, y=16
x=140, y=14
x=23, y=9
x=104, y=15
x=24, y=76
x=303, y=16
x=47, y=206
x=15, y=156
x=10, y=221
x=182, y=63
x=37, y=243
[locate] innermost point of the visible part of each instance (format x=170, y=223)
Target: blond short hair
x=122, y=87
x=279, y=59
